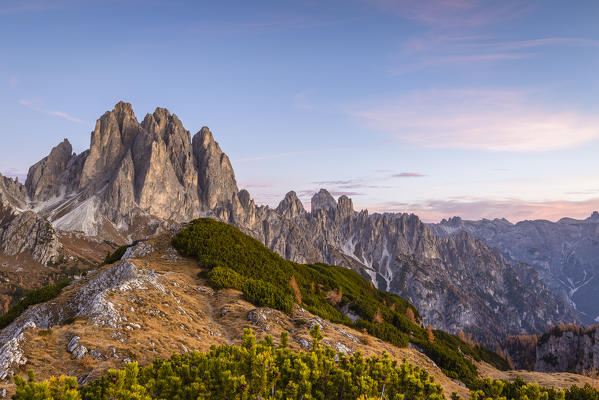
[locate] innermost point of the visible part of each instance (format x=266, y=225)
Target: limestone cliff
x=564, y=348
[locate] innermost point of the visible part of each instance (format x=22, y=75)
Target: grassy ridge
x=236, y=260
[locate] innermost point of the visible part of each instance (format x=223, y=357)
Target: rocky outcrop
x=564, y=348
x=24, y=231
x=13, y=194
x=76, y=349
x=27, y=232
x=88, y=299
x=323, y=201
x=291, y=206
x=43, y=179
x=216, y=180
x=564, y=253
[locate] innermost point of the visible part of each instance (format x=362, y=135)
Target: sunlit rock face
x=152, y=169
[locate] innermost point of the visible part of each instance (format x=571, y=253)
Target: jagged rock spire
x=113, y=135
x=322, y=201
x=290, y=206
x=345, y=206
x=43, y=177
x=216, y=179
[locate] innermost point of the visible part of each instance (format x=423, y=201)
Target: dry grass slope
x=188, y=315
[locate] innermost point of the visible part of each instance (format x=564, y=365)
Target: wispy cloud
x=446, y=14
x=408, y=175
x=354, y=183
x=13, y=82
x=35, y=105
x=265, y=24
x=512, y=209
x=338, y=183
x=583, y=192
x=436, y=49
x=306, y=194
x=490, y=120
x=455, y=43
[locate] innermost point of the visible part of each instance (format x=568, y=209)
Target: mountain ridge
x=140, y=179
x=563, y=252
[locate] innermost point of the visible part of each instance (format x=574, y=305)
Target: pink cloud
x=409, y=175
x=492, y=120
x=514, y=209
x=453, y=47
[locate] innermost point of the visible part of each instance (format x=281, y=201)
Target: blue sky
x=441, y=108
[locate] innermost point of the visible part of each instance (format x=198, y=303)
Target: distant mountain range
x=565, y=253
x=138, y=179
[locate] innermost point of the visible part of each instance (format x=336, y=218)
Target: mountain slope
x=153, y=303
x=337, y=294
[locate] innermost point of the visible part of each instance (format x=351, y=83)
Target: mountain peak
x=216, y=179
x=291, y=206
x=323, y=201
x=345, y=206
x=42, y=176
x=123, y=108
x=205, y=136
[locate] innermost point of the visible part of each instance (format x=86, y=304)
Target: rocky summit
x=138, y=179
x=131, y=171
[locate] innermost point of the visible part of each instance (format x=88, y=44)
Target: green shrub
x=223, y=277
x=520, y=390
x=31, y=298
x=236, y=260
x=116, y=255
x=250, y=371
x=266, y=295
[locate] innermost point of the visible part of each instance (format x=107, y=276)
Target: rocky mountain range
x=565, y=253
x=138, y=179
